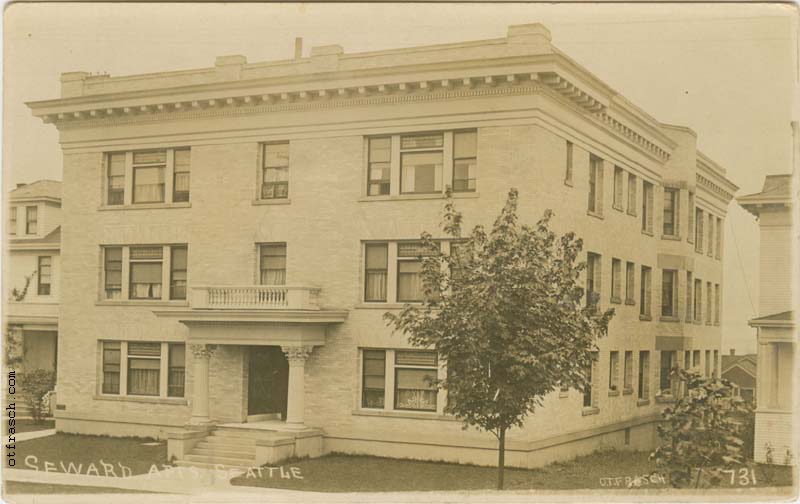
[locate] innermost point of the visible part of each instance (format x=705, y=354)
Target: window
x=465, y=160
x=616, y=280
x=698, y=300
x=144, y=368
x=644, y=375
x=613, y=371
x=690, y=214
x=409, y=270
x=618, y=181
x=589, y=399
x=716, y=303
x=696, y=359
x=595, y=185
x=275, y=171
x=379, y=166
x=630, y=273
x=716, y=363
x=181, y=178
x=627, y=380
x=710, y=235
x=115, y=184
x=689, y=307
x=568, y=172
x=708, y=364
x=148, y=176
x=719, y=238
x=176, y=376
x=665, y=378
x=592, y=280
x=698, y=230
x=644, y=293
x=111, y=369
x=687, y=360
x=273, y=264
x=177, y=273
x=113, y=272
x=670, y=224
x=631, y=194
x=145, y=272
x=31, y=220
x=709, y=300
x=415, y=373
x=373, y=391
x=421, y=161
x=376, y=271
x=647, y=207
x=669, y=293
x=12, y=220
x=44, y=275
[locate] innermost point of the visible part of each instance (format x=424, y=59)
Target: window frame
x=122, y=372
x=116, y=192
x=648, y=197
x=42, y=288
x=406, y=260
x=149, y=166
x=619, y=182
x=178, y=196
x=613, y=372
x=368, y=271
x=263, y=172
x=423, y=150
x=569, y=163
x=12, y=220
x=390, y=382
x=463, y=158
x=370, y=162
x=173, y=270
x=261, y=255
x=630, y=283
x=643, y=382
x=589, y=391
x=125, y=284
x=593, y=280
x=616, y=280
x=627, y=372
x=672, y=296
x=645, y=292
x=595, y=193
x=131, y=262
x=32, y=225
x=674, y=198
x=632, y=194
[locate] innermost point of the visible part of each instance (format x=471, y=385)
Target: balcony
x=255, y=297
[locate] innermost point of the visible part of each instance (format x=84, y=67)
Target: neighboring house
x=31, y=282
x=741, y=371
x=777, y=334
x=236, y=234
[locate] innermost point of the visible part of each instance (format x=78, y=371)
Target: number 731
x=743, y=477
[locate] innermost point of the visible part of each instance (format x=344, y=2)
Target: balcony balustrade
x=255, y=297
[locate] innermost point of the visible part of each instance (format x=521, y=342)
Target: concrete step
x=232, y=440
x=249, y=434
x=213, y=459
x=226, y=453
x=204, y=465
x=218, y=444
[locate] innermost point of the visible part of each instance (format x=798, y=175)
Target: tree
x=37, y=384
x=504, y=311
x=700, y=432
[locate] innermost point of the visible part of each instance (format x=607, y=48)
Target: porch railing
x=255, y=297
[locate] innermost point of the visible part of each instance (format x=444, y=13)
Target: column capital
x=297, y=354
x=202, y=351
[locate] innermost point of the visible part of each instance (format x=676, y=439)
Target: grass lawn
x=27, y=425
x=21, y=487
x=350, y=473
x=85, y=452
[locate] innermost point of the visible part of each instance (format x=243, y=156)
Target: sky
x=727, y=71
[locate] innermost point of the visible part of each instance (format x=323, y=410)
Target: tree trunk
x=501, y=459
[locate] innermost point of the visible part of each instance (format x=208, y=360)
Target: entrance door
x=268, y=381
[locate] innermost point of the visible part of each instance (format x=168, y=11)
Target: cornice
x=713, y=188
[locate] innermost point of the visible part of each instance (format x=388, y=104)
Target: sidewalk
x=26, y=436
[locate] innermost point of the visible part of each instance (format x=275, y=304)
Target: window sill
x=383, y=306
x=276, y=201
x=140, y=302
x=670, y=237
x=568, y=183
x=594, y=214
x=616, y=300
x=646, y=318
x=618, y=208
x=632, y=214
x=176, y=401
x=647, y=233
x=420, y=196
x=590, y=410
x=697, y=322
x=404, y=414
x=642, y=402
x=145, y=206
x=630, y=302
x=613, y=393
x=627, y=391
x=668, y=319
x=665, y=399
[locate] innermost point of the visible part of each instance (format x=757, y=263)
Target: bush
x=36, y=384
x=700, y=433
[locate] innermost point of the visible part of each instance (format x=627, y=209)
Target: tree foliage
x=37, y=383
x=700, y=435
x=504, y=309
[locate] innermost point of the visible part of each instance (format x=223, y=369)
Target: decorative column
x=296, y=355
x=202, y=354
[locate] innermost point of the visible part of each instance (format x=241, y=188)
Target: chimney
x=733, y=351
x=298, y=48
x=21, y=184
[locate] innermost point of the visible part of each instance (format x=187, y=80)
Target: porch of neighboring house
x=259, y=338
x=35, y=345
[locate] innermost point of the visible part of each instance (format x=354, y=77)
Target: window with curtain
x=273, y=264
x=181, y=175
x=176, y=375
x=115, y=166
x=465, y=160
x=631, y=194
x=275, y=171
x=409, y=270
x=630, y=273
x=31, y=220
x=380, y=166
x=12, y=220
x=111, y=367
x=644, y=375
x=668, y=287
x=415, y=373
x=373, y=379
x=421, y=161
x=177, y=273
x=619, y=177
x=148, y=176
x=44, y=275
x=376, y=271
x=145, y=272
x=144, y=368
x=113, y=272
x=670, y=212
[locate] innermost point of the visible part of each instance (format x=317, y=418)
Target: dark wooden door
x=268, y=381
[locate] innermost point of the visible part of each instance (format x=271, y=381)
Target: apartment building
x=245, y=227
x=33, y=235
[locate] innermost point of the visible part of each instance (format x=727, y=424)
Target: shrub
x=37, y=383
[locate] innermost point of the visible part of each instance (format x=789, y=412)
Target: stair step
x=247, y=433
x=219, y=445
x=217, y=452
x=213, y=459
x=231, y=440
x=206, y=465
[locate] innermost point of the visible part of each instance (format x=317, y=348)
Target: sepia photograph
x=400, y=252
